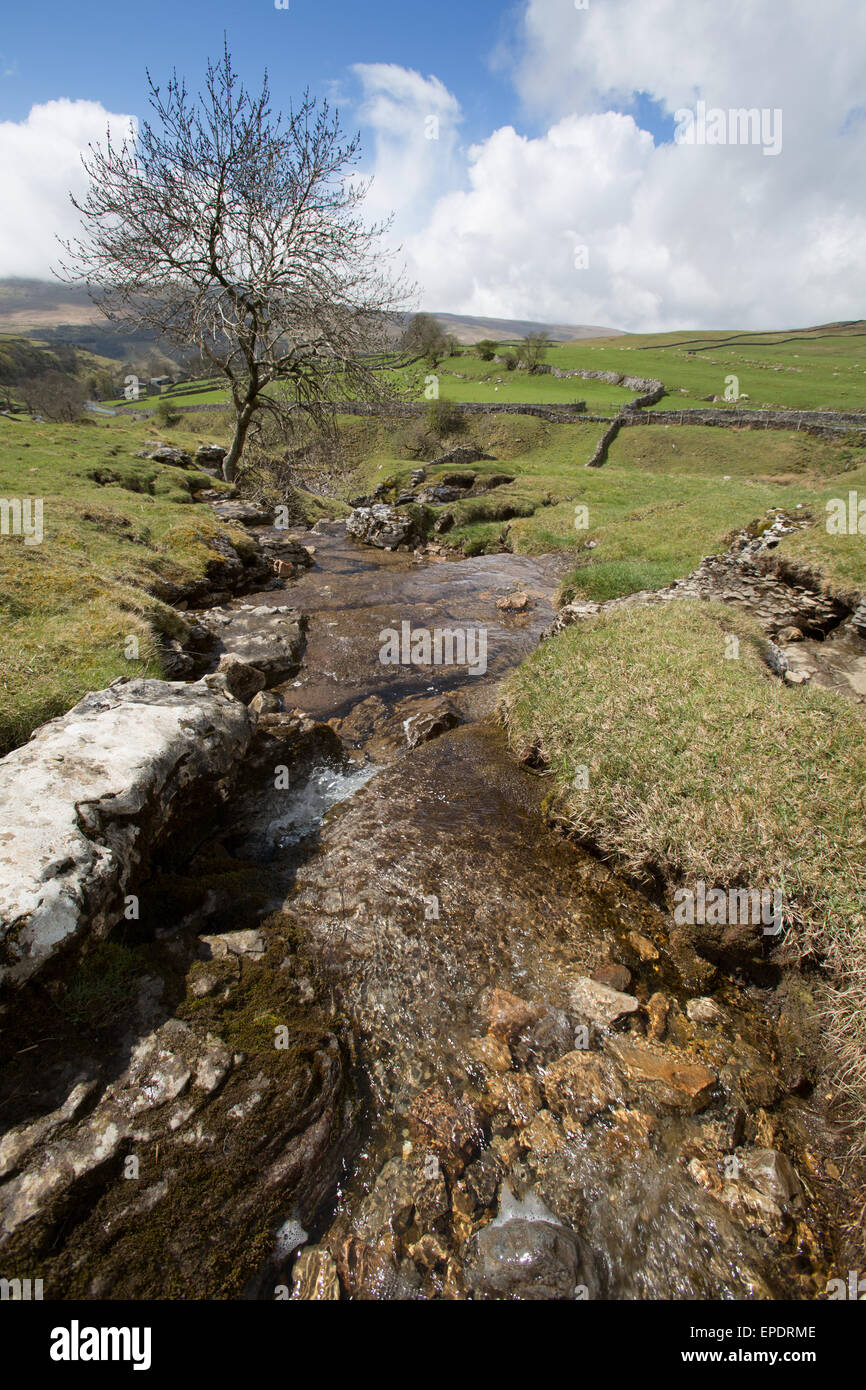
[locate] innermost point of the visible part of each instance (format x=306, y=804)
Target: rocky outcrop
x=85, y=804
x=385, y=527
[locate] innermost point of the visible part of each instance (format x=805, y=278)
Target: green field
x=809, y=369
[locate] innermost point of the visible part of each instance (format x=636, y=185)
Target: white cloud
x=414, y=121
x=40, y=162
x=677, y=236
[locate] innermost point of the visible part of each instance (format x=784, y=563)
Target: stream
x=436, y=1050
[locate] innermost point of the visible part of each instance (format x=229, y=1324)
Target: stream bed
x=397, y=1039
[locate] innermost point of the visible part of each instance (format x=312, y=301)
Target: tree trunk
x=232, y=458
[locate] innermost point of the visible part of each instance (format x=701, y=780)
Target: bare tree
x=533, y=349
x=53, y=395
x=237, y=231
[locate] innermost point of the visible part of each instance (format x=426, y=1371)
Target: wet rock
x=429, y=724
x=543, y=1137
x=490, y=1053
x=548, y=1036
x=515, y=1096
x=407, y=1193
x=269, y=637
x=530, y=1258
x=507, y=1015
x=669, y=1077
x=703, y=1010
x=513, y=603
x=765, y=1193
x=451, y=1129
x=87, y=801
x=616, y=977
x=384, y=527
x=658, y=1007
x=644, y=947
x=366, y=1274
x=243, y=513
x=242, y=680
x=482, y=1179
x=594, y=1003
x=581, y=1085
x=314, y=1277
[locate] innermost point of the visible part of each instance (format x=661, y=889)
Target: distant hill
x=27, y=304
x=468, y=329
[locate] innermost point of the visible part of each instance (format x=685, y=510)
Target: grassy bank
x=116, y=528
x=705, y=768
x=666, y=498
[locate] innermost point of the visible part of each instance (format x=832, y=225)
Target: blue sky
x=554, y=188
x=99, y=51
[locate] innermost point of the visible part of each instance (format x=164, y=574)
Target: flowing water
x=435, y=881
x=376, y=972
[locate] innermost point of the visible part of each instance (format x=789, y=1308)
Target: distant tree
x=425, y=337
x=534, y=349
x=54, y=396
x=487, y=349
x=237, y=232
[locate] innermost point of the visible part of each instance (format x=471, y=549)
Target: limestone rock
x=595, y=1003
x=385, y=527
x=85, y=803
x=242, y=680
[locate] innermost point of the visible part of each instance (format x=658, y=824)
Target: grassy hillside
x=115, y=526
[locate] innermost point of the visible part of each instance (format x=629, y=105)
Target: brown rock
x=314, y=1277
x=580, y=1085
x=451, y=1129
x=657, y=1008
x=514, y=603
x=596, y=1003
x=489, y=1052
x=517, y=1095
x=366, y=1274
x=616, y=977
x=242, y=680
x=543, y=1136
x=507, y=1015
x=669, y=1077
x=644, y=947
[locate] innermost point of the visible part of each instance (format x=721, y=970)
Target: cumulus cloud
x=40, y=163
x=414, y=121
x=676, y=236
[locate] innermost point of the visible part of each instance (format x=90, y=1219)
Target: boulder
x=87, y=801
x=243, y=681
x=177, y=458
x=384, y=527
x=269, y=637
x=243, y=513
